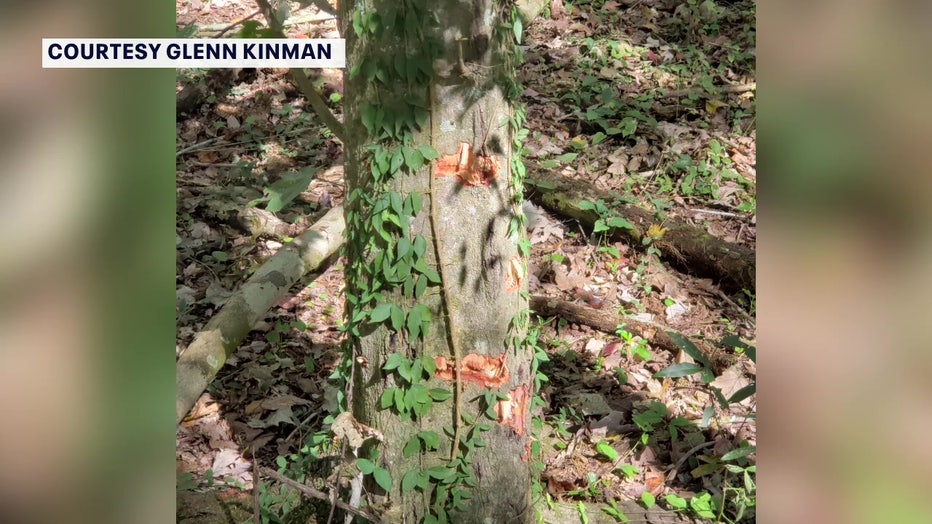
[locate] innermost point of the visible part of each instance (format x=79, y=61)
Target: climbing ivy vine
x=390, y=270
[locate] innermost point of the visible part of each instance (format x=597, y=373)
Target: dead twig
x=714, y=212
x=679, y=463
x=320, y=495
x=197, y=146
x=721, y=294
x=224, y=30
x=302, y=81
x=731, y=89
x=256, y=513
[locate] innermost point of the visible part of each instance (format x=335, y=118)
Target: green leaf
x=281, y=193
x=398, y=318
x=628, y=126
x=701, y=504
x=409, y=286
x=428, y=364
x=739, y=453
x=190, y=31
x=382, y=478
x=220, y=256
x=387, y=398
x=420, y=117
x=431, y=275
x=628, y=470
x=404, y=371
x=410, y=480
x=367, y=114
x=420, y=246
x=647, y=419
x=420, y=394
x=185, y=482
x=606, y=450
x=428, y=152
x=413, y=158
x=648, y=499
x=400, y=400
x=705, y=469
x=678, y=370
x=743, y=393
x=620, y=223
x=675, y=502
x=395, y=202
x=414, y=322
x=599, y=226
x=550, y=164
x=440, y=394
x=567, y=157
x=517, y=27
x=381, y=312
x=397, y=160
x=689, y=348
x=586, y=205
x=420, y=287
x=440, y=473
x=412, y=447
x=615, y=512
x=734, y=342
x=431, y=439
x=393, y=362
x=717, y=393
x=366, y=466
x=415, y=201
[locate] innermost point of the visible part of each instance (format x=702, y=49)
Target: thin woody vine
x=390, y=270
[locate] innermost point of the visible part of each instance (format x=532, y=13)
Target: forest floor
x=649, y=100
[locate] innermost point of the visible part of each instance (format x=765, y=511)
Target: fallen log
x=601, y=320
x=204, y=357
x=685, y=246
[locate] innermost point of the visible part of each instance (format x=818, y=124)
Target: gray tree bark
x=469, y=203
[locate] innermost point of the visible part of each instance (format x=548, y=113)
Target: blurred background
x=844, y=261
x=845, y=254
x=86, y=273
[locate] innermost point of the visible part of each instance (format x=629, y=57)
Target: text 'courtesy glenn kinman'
x=193, y=52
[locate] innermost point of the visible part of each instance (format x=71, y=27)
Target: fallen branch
x=225, y=29
x=603, y=321
x=311, y=492
x=686, y=246
x=218, y=30
x=700, y=91
x=201, y=361
x=198, y=146
x=302, y=81
x=259, y=222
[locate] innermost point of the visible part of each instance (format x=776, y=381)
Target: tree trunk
x=436, y=288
